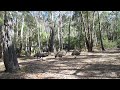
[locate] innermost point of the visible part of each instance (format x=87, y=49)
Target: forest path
x=95, y=65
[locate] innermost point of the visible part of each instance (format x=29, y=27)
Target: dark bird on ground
x=75, y=53
x=60, y=53
x=42, y=54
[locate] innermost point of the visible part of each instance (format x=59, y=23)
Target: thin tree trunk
x=101, y=41
x=59, y=38
x=116, y=33
x=21, y=37
x=60, y=35
x=89, y=40
x=30, y=43
x=84, y=27
x=69, y=35
x=52, y=47
x=95, y=39
x=52, y=34
x=26, y=44
x=39, y=45
x=0, y=41
x=92, y=31
x=16, y=32
x=79, y=35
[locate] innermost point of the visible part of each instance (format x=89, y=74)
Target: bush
x=74, y=42
x=118, y=43
x=109, y=44
x=23, y=52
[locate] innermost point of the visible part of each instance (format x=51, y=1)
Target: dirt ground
x=95, y=65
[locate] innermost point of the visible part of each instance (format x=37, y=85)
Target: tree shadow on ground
x=118, y=58
x=77, y=57
x=86, y=70
x=89, y=70
x=109, y=52
x=39, y=67
x=36, y=66
x=99, y=70
x=26, y=57
x=6, y=75
x=67, y=66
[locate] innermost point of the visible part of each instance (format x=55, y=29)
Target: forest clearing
x=59, y=44
x=96, y=65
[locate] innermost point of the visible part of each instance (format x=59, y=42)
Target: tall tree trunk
x=21, y=37
x=52, y=47
x=88, y=32
x=9, y=51
x=101, y=41
x=51, y=41
x=16, y=37
x=116, y=20
x=0, y=41
x=39, y=45
x=59, y=38
x=95, y=38
x=30, y=43
x=84, y=27
x=80, y=32
x=61, y=34
x=26, y=45
x=79, y=35
x=92, y=30
x=16, y=32
x=69, y=34
x=89, y=40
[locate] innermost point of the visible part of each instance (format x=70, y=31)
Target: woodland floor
x=95, y=65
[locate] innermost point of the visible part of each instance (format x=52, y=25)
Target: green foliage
x=44, y=38
x=23, y=52
x=75, y=41
x=118, y=43
x=30, y=21
x=34, y=21
x=109, y=44
x=1, y=21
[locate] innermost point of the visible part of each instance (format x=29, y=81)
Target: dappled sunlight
x=85, y=66
x=59, y=44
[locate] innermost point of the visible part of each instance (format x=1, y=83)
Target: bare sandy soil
x=95, y=65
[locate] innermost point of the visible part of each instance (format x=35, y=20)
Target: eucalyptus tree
x=9, y=51
x=101, y=41
x=88, y=25
x=1, y=24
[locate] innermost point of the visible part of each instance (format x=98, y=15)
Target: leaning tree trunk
x=9, y=51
